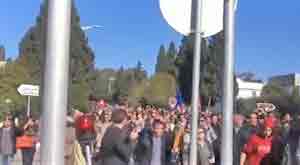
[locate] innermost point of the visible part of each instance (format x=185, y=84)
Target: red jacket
x=256, y=149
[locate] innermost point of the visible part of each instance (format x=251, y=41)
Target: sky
x=267, y=32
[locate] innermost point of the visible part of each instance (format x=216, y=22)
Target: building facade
x=2, y=53
x=249, y=89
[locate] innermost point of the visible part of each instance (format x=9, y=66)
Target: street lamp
x=85, y=28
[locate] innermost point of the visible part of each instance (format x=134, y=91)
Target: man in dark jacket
x=245, y=132
x=8, y=134
x=117, y=145
x=237, y=146
x=154, y=146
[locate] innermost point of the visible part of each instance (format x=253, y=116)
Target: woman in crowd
x=30, y=136
x=101, y=125
x=257, y=151
x=205, y=149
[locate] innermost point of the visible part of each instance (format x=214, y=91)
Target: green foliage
x=284, y=102
x=245, y=106
x=172, y=50
x=272, y=90
x=128, y=80
x=82, y=70
x=166, y=60
x=10, y=79
x=155, y=91
x=79, y=94
x=161, y=87
x=160, y=59
x=185, y=65
x=212, y=62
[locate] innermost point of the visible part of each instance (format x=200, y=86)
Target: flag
x=180, y=102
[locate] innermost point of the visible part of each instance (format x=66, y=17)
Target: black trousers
x=28, y=155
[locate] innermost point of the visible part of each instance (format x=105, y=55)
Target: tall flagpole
x=197, y=32
x=228, y=86
x=55, y=82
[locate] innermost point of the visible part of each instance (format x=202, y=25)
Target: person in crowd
x=178, y=149
x=211, y=135
x=205, y=149
x=215, y=124
x=297, y=157
x=30, y=135
x=70, y=138
x=140, y=120
x=260, y=119
x=117, y=145
x=285, y=126
x=101, y=125
x=238, y=121
x=248, y=129
x=154, y=146
x=258, y=148
x=8, y=135
x=291, y=145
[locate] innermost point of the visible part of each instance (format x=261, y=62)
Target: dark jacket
x=143, y=151
x=14, y=132
x=116, y=148
x=291, y=145
x=240, y=138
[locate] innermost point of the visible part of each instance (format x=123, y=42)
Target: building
x=2, y=57
x=2, y=53
x=249, y=89
x=287, y=82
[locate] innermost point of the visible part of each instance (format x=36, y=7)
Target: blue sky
x=268, y=32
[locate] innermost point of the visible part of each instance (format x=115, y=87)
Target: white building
x=249, y=89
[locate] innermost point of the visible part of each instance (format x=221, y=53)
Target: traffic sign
x=29, y=90
x=178, y=14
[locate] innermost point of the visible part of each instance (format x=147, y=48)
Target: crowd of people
x=123, y=135
x=16, y=135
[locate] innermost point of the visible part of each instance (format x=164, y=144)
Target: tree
x=161, y=59
x=212, y=64
x=155, y=91
x=171, y=59
x=172, y=50
x=104, y=85
x=245, y=106
x=276, y=95
x=272, y=90
x=185, y=67
x=82, y=69
x=13, y=76
x=139, y=73
x=160, y=88
x=166, y=60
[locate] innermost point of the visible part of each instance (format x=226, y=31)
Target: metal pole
x=55, y=82
x=28, y=106
x=196, y=80
x=228, y=87
x=88, y=155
